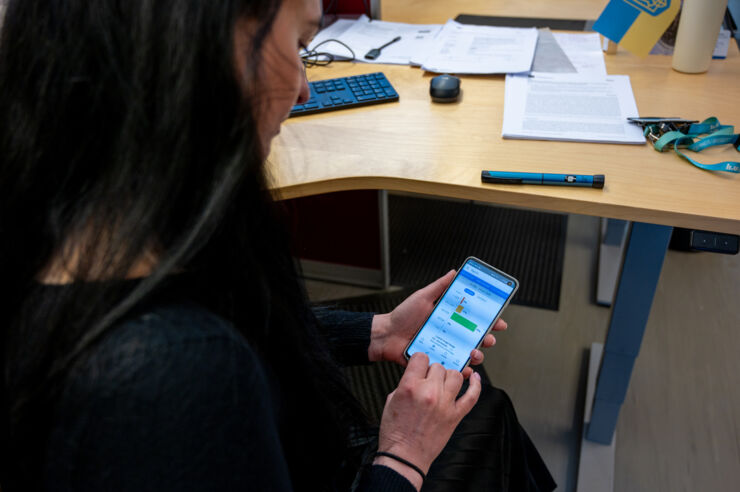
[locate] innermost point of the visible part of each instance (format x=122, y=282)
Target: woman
x=157, y=336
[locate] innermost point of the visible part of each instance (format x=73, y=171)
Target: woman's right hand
x=421, y=414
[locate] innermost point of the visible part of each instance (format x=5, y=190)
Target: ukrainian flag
x=637, y=24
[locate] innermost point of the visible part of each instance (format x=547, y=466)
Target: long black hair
x=127, y=129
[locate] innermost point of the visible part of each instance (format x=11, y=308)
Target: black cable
x=314, y=58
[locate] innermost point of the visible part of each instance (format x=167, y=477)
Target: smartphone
x=464, y=314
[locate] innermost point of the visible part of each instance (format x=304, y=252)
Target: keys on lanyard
x=678, y=133
x=655, y=127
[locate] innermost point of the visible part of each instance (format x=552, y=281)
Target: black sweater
x=176, y=399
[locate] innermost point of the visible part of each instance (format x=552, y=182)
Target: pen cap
x=598, y=181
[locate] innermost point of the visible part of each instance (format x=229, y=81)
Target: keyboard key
x=365, y=98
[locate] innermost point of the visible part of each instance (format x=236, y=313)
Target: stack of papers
x=452, y=48
x=466, y=49
x=463, y=49
x=557, y=87
x=569, y=107
x=584, y=52
x=323, y=41
x=363, y=35
x=549, y=57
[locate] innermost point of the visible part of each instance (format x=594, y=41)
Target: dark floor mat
x=428, y=237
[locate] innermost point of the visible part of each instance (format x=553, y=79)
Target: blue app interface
x=462, y=317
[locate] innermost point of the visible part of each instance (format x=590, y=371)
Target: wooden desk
x=418, y=146
x=415, y=145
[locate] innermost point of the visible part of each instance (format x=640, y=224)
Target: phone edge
x=490, y=328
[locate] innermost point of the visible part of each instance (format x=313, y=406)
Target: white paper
x=333, y=31
x=470, y=49
x=723, y=44
x=584, y=52
x=549, y=57
x=364, y=35
x=570, y=107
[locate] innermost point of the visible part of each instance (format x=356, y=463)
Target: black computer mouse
x=444, y=88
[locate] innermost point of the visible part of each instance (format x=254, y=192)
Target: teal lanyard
x=716, y=134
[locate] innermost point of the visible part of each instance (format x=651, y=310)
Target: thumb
x=436, y=288
x=467, y=401
x=389, y=397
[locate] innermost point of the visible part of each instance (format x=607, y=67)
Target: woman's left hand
x=391, y=332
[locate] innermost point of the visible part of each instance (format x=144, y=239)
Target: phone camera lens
x=508, y=283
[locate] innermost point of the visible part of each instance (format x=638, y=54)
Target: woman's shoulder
x=169, y=345
x=173, y=395
x=173, y=324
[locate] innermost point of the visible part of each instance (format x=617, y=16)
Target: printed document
x=324, y=42
x=584, y=52
x=570, y=107
x=549, y=57
x=467, y=49
x=363, y=35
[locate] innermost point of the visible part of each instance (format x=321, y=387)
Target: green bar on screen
x=463, y=321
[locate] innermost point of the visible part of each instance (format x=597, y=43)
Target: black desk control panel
x=714, y=242
x=695, y=240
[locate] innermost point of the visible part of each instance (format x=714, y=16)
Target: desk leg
x=611, y=251
x=643, y=261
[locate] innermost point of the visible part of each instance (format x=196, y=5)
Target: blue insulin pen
x=502, y=177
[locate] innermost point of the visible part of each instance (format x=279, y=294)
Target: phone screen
x=464, y=314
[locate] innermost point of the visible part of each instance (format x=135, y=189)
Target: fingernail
x=476, y=375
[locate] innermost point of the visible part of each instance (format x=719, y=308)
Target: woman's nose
x=305, y=93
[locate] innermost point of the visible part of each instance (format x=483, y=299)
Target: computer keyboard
x=346, y=92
